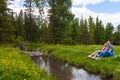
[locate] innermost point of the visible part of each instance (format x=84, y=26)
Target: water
x=62, y=70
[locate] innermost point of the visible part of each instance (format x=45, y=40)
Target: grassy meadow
x=108, y=67
x=17, y=65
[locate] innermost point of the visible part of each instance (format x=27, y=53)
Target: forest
x=51, y=30
x=60, y=26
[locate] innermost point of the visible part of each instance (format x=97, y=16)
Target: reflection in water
x=62, y=70
x=80, y=74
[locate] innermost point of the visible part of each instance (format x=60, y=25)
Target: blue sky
x=106, y=7
x=106, y=10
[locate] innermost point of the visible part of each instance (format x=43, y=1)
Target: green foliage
x=19, y=28
x=117, y=36
x=73, y=32
x=91, y=25
x=109, y=32
x=77, y=55
x=17, y=65
x=59, y=27
x=99, y=33
x=44, y=33
x=85, y=33
x=31, y=27
x=59, y=17
x=6, y=23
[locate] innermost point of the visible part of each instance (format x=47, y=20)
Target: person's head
x=105, y=44
x=108, y=42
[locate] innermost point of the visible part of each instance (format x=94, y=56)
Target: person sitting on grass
x=95, y=54
x=108, y=53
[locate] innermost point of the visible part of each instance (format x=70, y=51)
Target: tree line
x=59, y=27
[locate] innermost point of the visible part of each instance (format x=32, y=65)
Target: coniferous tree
x=44, y=34
x=109, y=32
x=6, y=23
x=116, y=40
x=40, y=5
x=31, y=27
x=99, y=32
x=96, y=32
x=91, y=25
x=85, y=33
x=60, y=16
x=20, y=30
x=75, y=31
x=81, y=29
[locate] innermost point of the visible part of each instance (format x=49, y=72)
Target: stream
x=63, y=71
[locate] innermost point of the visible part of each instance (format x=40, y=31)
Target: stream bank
x=60, y=69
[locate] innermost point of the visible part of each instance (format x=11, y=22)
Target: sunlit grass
x=17, y=65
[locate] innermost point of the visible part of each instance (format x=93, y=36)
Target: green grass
x=108, y=67
x=17, y=65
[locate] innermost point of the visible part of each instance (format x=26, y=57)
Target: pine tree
x=116, y=40
x=85, y=33
x=91, y=25
x=109, y=32
x=81, y=29
x=20, y=30
x=74, y=28
x=99, y=32
x=6, y=23
x=102, y=33
x=59, y=17
x=44, y=34
x=31, y=27
x=40, y=5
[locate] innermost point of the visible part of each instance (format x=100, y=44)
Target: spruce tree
x=31, y=26
x=59, y=17
x=20, y=30
x=116, y=40
x=85, y=33
x=109, y=32
x=99, y=32
x=6, y=23
x=91, y=25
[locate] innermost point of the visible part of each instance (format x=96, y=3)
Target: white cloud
x=114, y=0
x=16, y=8
x=82, y=12
x=79, y=12
x=86, y=2
x=17, y=0
x=105, y=17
